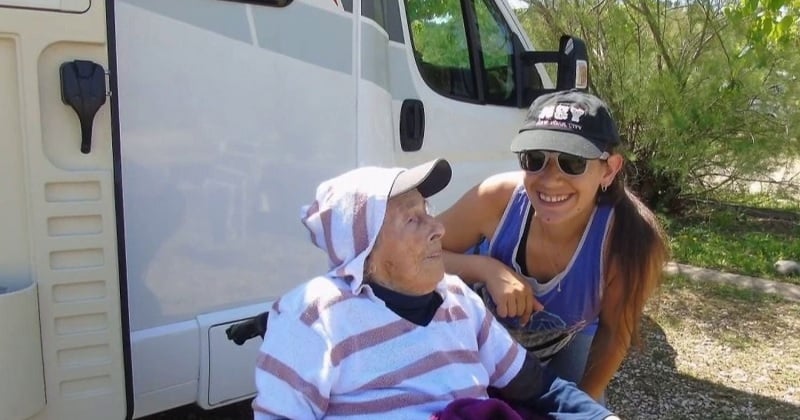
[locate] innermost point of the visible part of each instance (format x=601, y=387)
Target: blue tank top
x=571, y=299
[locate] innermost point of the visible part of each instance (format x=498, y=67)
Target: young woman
x=562, y=253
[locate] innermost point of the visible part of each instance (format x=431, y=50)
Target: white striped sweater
x=331, y=353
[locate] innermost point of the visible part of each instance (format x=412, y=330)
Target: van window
x=463, y=53
x=386, y=14
x=439, y=37
x=498, y=53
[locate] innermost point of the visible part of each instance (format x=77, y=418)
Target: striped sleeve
x=500, y=354
x=293, y=371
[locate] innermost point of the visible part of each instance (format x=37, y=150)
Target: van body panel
x=223, y=138
x=63, y=244
x=227, y=162
x=165, y=366
x=223, y=366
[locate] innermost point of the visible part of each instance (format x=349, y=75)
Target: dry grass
x=713, y=352
x=708, y=352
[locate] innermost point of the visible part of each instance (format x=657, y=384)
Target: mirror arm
x=572, y=72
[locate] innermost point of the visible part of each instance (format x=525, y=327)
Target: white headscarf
x=346, y=217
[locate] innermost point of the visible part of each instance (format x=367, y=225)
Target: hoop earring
x=604, y=188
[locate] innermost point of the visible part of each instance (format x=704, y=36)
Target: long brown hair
x=636, y=252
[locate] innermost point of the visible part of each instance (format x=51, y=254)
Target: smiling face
x=407, y=256
x=560, y=198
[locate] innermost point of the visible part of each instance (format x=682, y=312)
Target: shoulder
x=492, y=192
x=453, y=284
x=322, y=307
x=607, y=215
x=314, y=292
x=458, y=290
x=499, y=187
x=478, y=211
x=489, y=197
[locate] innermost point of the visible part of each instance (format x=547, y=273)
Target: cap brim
x=556, y=141
x=428, y=178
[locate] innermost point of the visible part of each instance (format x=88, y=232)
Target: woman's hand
x=510, y=292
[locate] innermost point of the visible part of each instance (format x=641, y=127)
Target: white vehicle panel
x=221, y=146
x=227, y=126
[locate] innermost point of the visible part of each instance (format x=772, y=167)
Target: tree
x=768, y=22
x=696, y=112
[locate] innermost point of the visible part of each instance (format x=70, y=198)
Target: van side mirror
x=572, y=71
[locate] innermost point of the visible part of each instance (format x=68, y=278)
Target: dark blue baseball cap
x=570, y=121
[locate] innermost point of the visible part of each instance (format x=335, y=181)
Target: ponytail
x=637, y=251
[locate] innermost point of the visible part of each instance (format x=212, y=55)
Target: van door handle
x=412, y=125
x=83, y=87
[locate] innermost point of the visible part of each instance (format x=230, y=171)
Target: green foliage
x=768, y=22
x=440, y=36
x=696, y=115
x=437, y=28
x=495, y=44
x=734, y=240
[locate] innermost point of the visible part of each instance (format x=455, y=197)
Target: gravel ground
x=707, y=352
x=712, y=352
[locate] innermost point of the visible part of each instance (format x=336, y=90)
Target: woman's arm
x=511, y=294
x=474, y=216
x=609, y=347
x=613, y=337
x=470, y=268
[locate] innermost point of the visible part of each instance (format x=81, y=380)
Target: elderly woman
x=385, y=332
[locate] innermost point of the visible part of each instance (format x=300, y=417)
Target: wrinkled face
x=559, y=197
x=407, y=256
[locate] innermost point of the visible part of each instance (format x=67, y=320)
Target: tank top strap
x=593, y=246
x=503, y=244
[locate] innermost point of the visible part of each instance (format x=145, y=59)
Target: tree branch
x=644, y=10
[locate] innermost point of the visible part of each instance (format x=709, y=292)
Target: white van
x=133, y=236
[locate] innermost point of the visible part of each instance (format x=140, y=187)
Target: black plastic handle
x=240, y=332
x=412, y=125
x=83, y=87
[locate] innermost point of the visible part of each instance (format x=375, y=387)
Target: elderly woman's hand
x=511, y=293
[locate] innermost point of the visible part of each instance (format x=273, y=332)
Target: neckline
x=417, y=310
x=520, y=254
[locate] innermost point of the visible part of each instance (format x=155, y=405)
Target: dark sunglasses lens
x=571, y=164
x=532, y=161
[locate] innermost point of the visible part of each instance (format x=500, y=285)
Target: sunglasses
x=536, y=161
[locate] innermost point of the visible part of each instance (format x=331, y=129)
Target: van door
x=231, y=113
x=61, y=351
x=464, y=100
